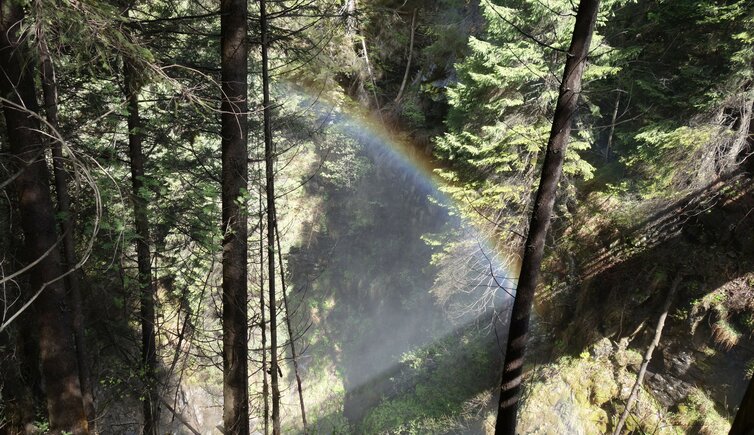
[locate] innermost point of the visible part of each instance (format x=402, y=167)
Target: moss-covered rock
x=585, y=395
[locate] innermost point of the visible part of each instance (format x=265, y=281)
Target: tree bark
x=143, y=255
x=233, y=41
x=552, y=168
x=743, y=424
x=269, y=159
x=50, y=94
x=648, y=356
x=262, y=307
x=59, y=366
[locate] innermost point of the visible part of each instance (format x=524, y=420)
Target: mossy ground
x=586, y=395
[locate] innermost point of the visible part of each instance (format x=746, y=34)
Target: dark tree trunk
x=743, y=424
x=234, y=184
x=143, y=255
x=269, y=161
x=22, y=387
x=263, y=320
x=510, y=387
x=60, y=371
x=50, y=93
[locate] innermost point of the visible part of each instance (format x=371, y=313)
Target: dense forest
x=376, y=217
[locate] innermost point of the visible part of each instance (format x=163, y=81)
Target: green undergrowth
x=698, y=415
x=446, y=393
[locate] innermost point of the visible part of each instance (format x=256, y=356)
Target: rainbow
x=485, y=273
x=398, y=151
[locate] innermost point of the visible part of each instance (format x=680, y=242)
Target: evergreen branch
x=522, y=31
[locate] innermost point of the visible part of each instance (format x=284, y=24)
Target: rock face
x=669, y=378
x=582, y=395
x=667, y=389
x=705, y=348
x=560, y=413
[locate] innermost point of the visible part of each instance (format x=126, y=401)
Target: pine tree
x=57, y=356
x=500, y=113
x=234, y=214
x=552, y=168
x=144, y=257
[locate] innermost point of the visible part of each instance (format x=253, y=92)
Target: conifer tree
x=57, y=356
x=552, y=168
x=234, y=214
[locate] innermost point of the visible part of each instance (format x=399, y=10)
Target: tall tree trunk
x=59, y=365
x=743, y=424
x=22, y=384
x=269, y=160
x=143, y=255
x=262, y=307
x=287, y=317
x=552, y=168
x=350, y=10
x=50, y=93
x=233, y=28
x=648, y=355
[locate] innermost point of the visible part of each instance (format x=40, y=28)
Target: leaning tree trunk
x=743, y=424
x=143, y=255
x=60, y=371
x=291, y=337
x=270, y=193
x=648, y=356
x=50, y=96
x=570, y=87
x=233, y=29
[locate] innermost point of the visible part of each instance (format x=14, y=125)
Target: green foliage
x=662, y=158
x=42, y=425
x=412, y=112
x=344, y=165
x=447, y=381
x=480, y=88
x=698, y=414
x=684, y=76
x=502, y=106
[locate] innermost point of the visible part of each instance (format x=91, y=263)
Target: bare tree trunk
x=410, y=54
x=370, y=72
x=350, y=9
x=287, y=316
x=350, y=12
x=269, y=160
x=612, y=125
x=265, y=386
x=50, y=94
x=234, y=14
x=143, y=255
x=552, y=168
x=59, y=365
x=648, y=355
